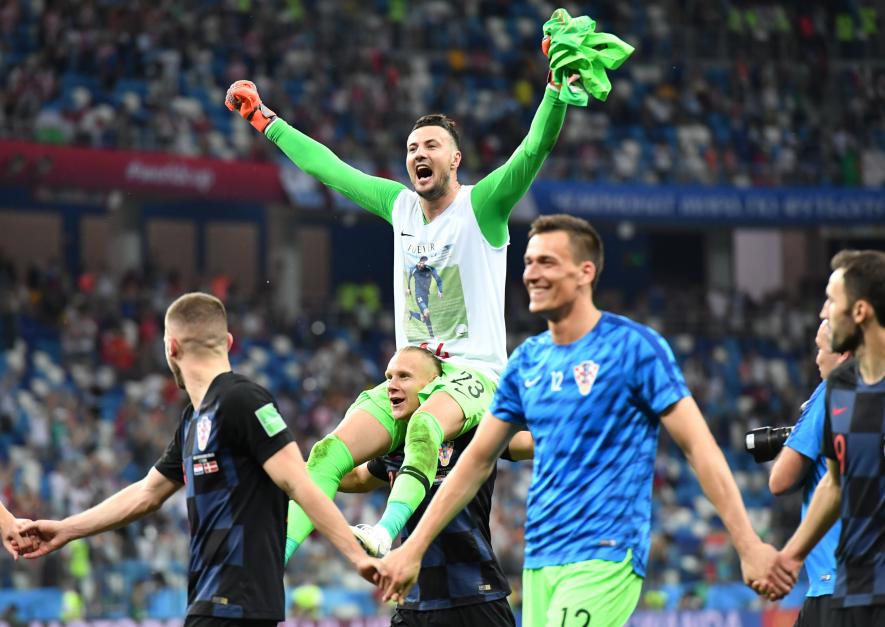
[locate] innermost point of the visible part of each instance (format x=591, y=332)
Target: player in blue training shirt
x=802, y=463
x=854, y=443
x=593, y=390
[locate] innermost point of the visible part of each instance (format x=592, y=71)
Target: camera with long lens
x=765, y=443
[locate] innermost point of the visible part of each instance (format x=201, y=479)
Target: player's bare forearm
x=129, y=504
x=719, y=486
x=9, y=535
x=823, y=512
x=7, y=520
x=689, y=430
x=360, y=480
x=522, y=446
x=788, y=471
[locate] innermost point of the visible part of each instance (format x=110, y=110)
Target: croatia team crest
x=204, y=428
x=585, y=375
x=445, y=453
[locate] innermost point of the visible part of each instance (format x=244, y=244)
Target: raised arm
x=373, y=193
x=131, y=503
x=461, y=485
x=684, y=422
x=495, y=196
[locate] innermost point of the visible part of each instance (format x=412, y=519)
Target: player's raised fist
x=242, y=96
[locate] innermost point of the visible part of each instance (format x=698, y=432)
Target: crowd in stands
x=734, y=92
x=87, y=406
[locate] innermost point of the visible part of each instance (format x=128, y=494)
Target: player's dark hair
x=864, y=276
x=585, y=241
x=203, y=319
x=441, y=120
x=843, y=257
x=437, y=363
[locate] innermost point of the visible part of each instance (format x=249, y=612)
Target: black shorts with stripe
x=857, y=616
x=816, y=612
x=489, y=614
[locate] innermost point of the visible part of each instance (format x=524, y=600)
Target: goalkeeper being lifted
x=462, y=230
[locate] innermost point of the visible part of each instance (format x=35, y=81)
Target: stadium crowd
x=741, y=93
x=88, y=406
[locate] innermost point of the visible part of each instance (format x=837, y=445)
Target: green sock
x=423, y=438
x=327, y=464
x=395, y=517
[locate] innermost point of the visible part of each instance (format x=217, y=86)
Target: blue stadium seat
x=35, y=604
x=730, y=596
x=167, y=603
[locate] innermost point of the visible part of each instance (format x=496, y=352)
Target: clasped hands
x=34, y=538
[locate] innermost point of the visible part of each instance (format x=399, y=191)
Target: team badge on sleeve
x=585, y=375
x=204, y=428
x=445, y=453
x=270, y=419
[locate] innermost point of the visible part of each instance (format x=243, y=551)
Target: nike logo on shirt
x=530, y=382
x=838, y=410
x=404, y=234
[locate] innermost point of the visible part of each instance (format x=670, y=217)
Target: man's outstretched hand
x=13, y=541
x=370, y=569
x=779, y=578
x=242, y=96
x=45, y=536
x=399, y=574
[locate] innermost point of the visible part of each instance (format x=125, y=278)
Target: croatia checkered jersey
x=593, y=408
x=854, y=436
x=236, y=513
x=460, y=567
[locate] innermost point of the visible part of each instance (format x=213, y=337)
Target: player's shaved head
x=432, y=360
x=586, y=245
x=199, y=322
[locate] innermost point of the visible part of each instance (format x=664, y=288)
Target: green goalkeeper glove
x=579, y=57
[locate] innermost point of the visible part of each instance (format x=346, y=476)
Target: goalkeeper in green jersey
x=462, y=232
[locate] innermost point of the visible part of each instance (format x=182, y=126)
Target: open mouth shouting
x=423, y=173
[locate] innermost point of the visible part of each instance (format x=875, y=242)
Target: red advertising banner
x=145, y=173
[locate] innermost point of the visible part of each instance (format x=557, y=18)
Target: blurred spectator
x=736, y=92
x=83, y=415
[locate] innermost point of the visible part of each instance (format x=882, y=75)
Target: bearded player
x=454, y=226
